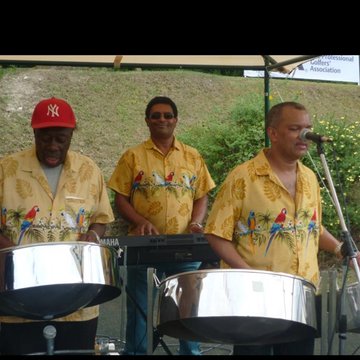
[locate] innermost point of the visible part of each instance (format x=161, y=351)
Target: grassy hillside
x=109, y=104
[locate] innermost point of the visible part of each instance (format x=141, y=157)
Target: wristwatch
x=196, y=224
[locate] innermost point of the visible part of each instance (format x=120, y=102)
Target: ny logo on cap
x=53, y=109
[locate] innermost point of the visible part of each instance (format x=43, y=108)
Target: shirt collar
x=149, y=144
x=33, y=162
x=262, y=165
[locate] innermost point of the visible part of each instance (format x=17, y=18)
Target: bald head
x=274, y=116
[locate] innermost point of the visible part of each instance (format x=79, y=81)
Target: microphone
x=306, y=134
x=49, y=333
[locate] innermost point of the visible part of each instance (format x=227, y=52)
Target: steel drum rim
x=55, y=243
x=257, y=271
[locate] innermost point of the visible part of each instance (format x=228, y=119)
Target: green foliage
x=7, y=70
x=342, y=159
x=228, y=140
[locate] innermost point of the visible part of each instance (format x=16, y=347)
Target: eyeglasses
x=157, y=116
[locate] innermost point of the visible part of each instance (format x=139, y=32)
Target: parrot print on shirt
x=27, y=222
x=137, y=180
x=80, y=217
x=276, y=227
x=310, y=229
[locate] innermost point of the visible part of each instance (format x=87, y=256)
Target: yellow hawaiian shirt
x=162, y=188
x=30, y=214
x=269, y=229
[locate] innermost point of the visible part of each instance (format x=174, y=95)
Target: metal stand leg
x=156, y=337
x=123, y=276
x=324, y=286
x=329, y=308
x=341, y=309
x=332, y=311
x=150, y=311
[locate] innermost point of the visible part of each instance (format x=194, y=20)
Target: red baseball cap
x=53, y=112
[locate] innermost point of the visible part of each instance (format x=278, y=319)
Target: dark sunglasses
x=157, y=115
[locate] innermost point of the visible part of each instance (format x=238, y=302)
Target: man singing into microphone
x=267, y=216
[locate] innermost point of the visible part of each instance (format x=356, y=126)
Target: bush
x=341, y=157
x=228, y=141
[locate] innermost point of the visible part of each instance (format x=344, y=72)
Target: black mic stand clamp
x=348, y=247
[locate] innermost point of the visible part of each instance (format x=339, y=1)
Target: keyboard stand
x=153, y=336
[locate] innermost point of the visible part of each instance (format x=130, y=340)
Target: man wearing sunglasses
x=161, y=187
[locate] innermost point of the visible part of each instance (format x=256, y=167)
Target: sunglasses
x=157, y=116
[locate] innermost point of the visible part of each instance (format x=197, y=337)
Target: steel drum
x=49, y=280
x=352, y=307
x=230, y=306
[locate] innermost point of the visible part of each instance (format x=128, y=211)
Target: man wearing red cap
x=50, y=193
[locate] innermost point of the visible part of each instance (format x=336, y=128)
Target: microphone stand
x=351, y=249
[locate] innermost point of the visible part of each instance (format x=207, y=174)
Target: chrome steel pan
x=50, y=280
x=236, y=307
x=352, y=307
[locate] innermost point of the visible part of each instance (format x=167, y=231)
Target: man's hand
x=146, y=228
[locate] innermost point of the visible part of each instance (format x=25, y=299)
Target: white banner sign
x=343, y=68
